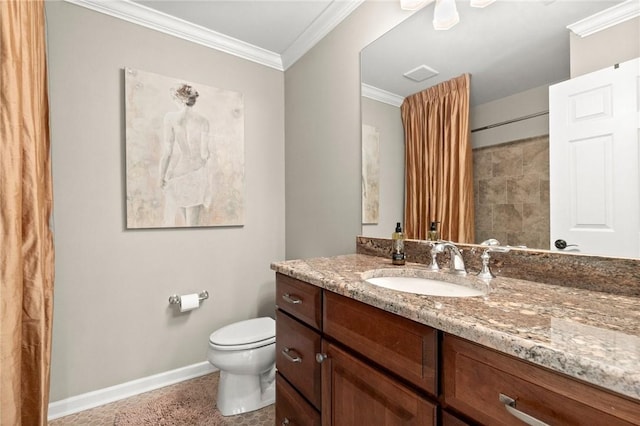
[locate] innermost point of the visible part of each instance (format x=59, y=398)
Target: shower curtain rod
x=513, y=120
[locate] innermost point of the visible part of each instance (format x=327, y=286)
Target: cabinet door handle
x=285, y=422
x=320, y=357
x=510, y=405
x=291, y=355
x=291, y=299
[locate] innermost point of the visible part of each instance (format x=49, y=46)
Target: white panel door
x=594, y=128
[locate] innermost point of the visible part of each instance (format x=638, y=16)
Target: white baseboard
x=99, y=397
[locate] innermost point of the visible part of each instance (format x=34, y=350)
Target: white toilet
x=245, y=353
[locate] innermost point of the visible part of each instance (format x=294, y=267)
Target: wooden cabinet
x=341, y=363
x=373, y=368
x=298, y=340
x=355, y=393
x=496, y=389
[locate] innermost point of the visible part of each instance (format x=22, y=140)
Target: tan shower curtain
x=26, y=248
x=438, y=161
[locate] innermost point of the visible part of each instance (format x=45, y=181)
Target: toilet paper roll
x=189, y=302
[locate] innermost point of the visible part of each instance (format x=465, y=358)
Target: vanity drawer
x=296, y=349
x=302, y=300
x=402, y=346
x=475, y=377
x=291, y=408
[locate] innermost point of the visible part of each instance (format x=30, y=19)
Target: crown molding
x=155, y=20
x=335, y=13
x=150, y=18
x=380, y=95
x=607, y=18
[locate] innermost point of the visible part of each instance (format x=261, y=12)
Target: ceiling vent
x=421, y=73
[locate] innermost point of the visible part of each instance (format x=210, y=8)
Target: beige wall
x=112, y=322
x=322, y=109
x=512, y=107
x=617, y=44
x=386, y=118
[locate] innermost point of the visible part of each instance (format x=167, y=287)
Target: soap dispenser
x=397, y=255
x=433, y=234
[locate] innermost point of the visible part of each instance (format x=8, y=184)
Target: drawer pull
x=320, y=357
x=510, y=405
x=291, y=355
x=291, y=299
x=285, y=422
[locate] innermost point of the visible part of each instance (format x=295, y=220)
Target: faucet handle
x=497, y=249
x=434, y=260
x=485, y=272
x=490, y=242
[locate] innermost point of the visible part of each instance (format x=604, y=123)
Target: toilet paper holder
x=175, y=299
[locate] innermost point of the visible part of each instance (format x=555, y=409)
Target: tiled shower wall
x=511, y=184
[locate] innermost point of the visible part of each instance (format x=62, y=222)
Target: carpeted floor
x=189, y=403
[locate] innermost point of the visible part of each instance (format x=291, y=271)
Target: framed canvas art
x=184, y=153
x=370, y=174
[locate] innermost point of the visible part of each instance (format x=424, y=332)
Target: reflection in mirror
x=512, y=66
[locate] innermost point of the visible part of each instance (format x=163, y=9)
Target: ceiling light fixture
x=413, y=4
x=445, y=14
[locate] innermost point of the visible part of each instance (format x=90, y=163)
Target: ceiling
x=270, y=25
x=507, y=47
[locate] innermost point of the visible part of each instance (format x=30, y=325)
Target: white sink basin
x=419, y=282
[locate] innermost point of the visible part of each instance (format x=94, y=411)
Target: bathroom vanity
x=351, y=353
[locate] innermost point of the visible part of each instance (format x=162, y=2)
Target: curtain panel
x=439, y=162
x=26, y=246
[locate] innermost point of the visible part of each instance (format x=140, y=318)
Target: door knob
x=320, y=357
x=562, y=244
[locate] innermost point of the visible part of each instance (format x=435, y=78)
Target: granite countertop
x=592, y=336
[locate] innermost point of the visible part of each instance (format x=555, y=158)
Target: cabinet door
x=354, y=393
x=291, y=408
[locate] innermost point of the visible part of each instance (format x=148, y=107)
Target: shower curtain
x=26, y=246
x=439, y=161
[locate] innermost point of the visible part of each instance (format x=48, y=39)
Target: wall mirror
x=513, y=51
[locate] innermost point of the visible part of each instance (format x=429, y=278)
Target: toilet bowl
x=245, y=354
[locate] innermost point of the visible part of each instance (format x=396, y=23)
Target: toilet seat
x=248, y=334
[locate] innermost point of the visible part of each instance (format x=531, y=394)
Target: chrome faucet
x=456, y=264
x=492, y=245
x=434, y=262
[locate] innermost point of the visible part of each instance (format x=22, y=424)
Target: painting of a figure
x=370, y=174
x=184, y=153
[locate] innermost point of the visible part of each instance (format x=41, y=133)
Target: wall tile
x=507, y=161
x=511, y=186
x=493, y=191
x=508, y=217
